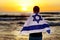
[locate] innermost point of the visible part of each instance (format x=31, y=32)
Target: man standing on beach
x=35, y=25
x=38, y=35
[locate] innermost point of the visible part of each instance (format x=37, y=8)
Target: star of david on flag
x=34, y=24
x=37, y=18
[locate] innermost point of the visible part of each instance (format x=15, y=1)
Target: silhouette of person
x=35, y=36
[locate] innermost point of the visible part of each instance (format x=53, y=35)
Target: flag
x=34, y=24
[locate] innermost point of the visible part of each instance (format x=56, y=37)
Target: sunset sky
x=27, y=5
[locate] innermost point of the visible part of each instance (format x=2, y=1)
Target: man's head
x=36, y=9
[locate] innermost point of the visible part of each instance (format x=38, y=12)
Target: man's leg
x=35, y=36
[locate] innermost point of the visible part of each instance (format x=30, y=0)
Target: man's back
x=35, y=36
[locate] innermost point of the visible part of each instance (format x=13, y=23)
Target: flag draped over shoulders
x=35, y=23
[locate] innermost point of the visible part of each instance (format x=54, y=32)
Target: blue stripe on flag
x=34, y=27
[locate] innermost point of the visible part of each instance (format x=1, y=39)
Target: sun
x=27, y=5
x=24, y=8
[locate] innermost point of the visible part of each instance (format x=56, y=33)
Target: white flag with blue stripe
x=34, y=24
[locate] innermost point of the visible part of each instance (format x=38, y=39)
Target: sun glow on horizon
x=27, y=5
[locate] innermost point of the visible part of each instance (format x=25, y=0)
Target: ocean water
x=12, y=32
x=55, y=34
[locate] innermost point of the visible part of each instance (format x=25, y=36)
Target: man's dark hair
x=36, y=9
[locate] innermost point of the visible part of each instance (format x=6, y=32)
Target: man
x=35, y=36
x=35, y=25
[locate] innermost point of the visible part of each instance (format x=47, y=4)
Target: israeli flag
x=35, y=24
